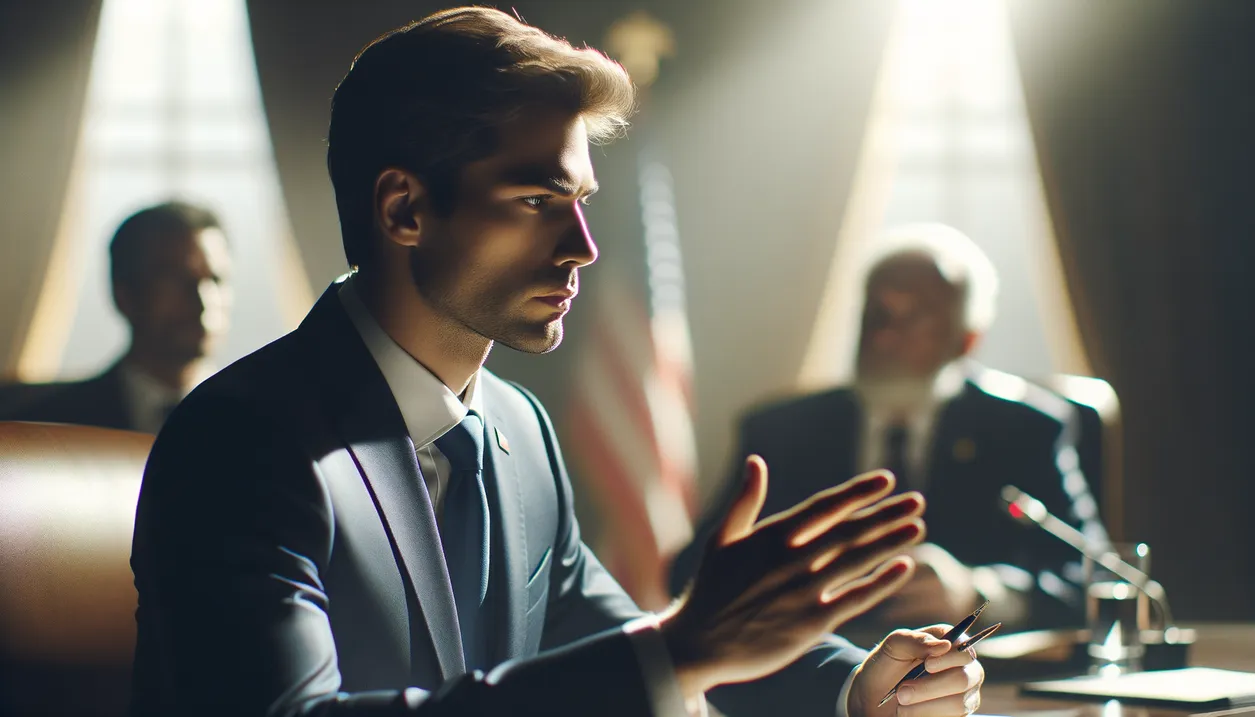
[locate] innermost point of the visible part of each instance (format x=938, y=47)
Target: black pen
x=955, y=633
x=971, y=641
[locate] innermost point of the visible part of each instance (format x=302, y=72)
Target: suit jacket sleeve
x=233, y=533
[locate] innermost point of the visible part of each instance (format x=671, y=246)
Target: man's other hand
x=767, y=591
x=951, y=688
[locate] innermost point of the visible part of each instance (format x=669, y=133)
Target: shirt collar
x=428, y=406
x=148, y=400
x=150, y=388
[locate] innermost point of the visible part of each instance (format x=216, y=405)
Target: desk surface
x=1230, y=647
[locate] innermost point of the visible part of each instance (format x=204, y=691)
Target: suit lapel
x=845, y=430
x=506, y=506
x=829, y=439
x=109, y=400
x=368, y=420
x=952, y=443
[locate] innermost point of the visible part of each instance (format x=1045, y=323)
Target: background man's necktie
x=465, y=533
x=896, y=436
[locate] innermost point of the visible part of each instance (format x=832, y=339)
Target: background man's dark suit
x=998, y=430
x=97, y=401
x=286, y=553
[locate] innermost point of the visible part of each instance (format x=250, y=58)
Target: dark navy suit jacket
x=288, y=561
x=97, y=401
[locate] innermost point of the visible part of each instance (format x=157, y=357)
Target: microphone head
x=1010, y=494
x=1022, y=506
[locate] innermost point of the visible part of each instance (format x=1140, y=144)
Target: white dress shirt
x=882, y=410
x=430, y=409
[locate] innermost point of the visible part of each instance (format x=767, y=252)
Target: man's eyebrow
x=558, y=183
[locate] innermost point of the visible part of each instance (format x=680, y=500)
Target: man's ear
x=400, y=201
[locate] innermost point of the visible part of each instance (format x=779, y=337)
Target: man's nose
x=212, y=302
x=577, y=247
x=199, y=296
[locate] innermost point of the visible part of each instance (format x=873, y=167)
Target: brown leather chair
x=67, y=599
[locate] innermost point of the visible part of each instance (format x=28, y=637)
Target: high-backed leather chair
x=1099, y=443
x=67, y=599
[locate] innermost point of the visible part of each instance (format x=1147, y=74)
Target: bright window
x=948, y=140
x=174, y=111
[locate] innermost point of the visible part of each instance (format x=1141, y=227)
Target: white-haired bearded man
x=946, y=426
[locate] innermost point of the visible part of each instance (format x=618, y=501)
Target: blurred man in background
x=946, y=426
x=170, y=274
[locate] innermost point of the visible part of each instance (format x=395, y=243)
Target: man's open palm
x=766, y=591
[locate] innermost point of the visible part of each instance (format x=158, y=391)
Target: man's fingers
x=938, y=630
x=743, y=514
x=952, y=706
x=935, y=686
x=888, y=515
x=857, y=561
x=950, y=660
x=911, y=646
x=865, y=593
x=835, y=505
x=817, y=514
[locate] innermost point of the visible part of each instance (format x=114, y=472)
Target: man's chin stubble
x=539, y=341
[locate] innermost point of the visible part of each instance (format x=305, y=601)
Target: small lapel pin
x=501, y=440
x=964, y=450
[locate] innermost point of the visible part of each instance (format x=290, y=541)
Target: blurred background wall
x=1143, y=125
x=1105, y=167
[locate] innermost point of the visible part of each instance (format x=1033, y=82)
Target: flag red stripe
x=636, y=562
x=627, y=385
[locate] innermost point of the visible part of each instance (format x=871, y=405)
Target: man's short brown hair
x=131, y=249
x=429, y=97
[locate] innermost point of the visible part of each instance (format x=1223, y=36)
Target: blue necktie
x=464, y=531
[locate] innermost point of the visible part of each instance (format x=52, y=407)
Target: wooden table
x=1225, y=646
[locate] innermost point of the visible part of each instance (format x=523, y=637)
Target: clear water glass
x=1116, y=613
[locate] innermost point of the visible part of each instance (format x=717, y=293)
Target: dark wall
x=1144, y=118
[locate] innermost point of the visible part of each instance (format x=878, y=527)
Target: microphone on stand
x=1027, y=509
x=1166, y=648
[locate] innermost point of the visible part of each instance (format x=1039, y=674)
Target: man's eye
x=536, y=202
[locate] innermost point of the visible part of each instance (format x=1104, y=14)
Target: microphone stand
x=1028, y=509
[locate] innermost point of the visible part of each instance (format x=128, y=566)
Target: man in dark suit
x=170, y=273
x=954, y=430
x=358, y=519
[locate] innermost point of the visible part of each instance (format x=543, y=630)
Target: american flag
x=631, y=414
